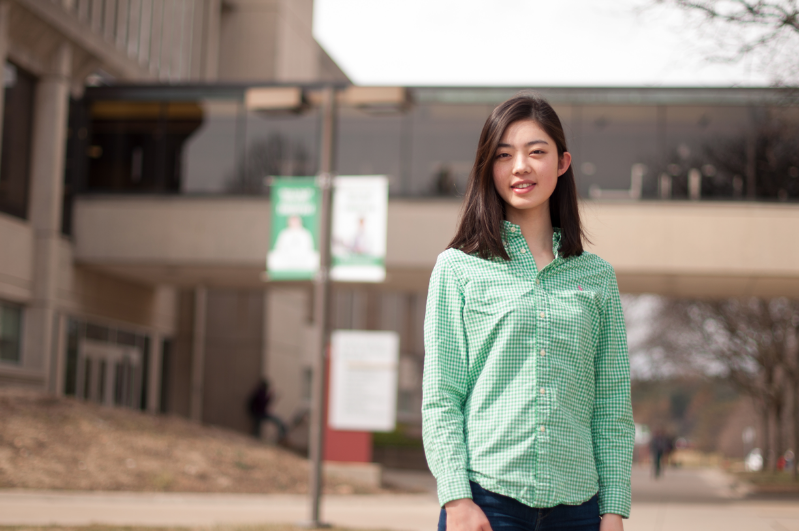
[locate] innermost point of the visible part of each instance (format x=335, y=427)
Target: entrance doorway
x=109, y=374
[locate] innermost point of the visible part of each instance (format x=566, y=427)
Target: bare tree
x=767, y=31
x=751, y=342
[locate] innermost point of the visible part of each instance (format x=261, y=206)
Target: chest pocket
x=490, y=301
x=575, y=322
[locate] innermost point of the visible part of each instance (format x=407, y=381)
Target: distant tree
x=766, y=31
x=751, y=342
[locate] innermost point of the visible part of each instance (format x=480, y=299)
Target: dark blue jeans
x=507, y=514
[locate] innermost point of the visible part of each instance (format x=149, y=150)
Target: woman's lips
x=522, y=188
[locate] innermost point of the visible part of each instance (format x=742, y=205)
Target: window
x=10, y=332
x=15, y=158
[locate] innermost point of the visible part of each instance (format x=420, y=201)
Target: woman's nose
x=521, y=165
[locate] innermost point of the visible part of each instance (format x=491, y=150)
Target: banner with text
x=363, y=380
x=294, y=242
x=358, y=247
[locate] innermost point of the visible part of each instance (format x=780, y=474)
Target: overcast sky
x=520, y=43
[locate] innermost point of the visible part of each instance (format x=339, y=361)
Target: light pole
x=321, y=313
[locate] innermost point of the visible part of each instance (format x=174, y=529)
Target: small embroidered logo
x=579, y=287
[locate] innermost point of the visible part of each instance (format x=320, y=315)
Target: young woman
x=527, y=422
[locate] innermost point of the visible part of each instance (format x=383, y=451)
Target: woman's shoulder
x=592, y=262
x=463, y=265
x=593, y=271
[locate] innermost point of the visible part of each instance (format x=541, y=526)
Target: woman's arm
x=611, y=522
x=444, y=385
x=612, y=428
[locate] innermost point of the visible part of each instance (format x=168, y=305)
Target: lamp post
x=321, y=304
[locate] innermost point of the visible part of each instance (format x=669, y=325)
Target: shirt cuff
x=615, y=500
x=454, y=485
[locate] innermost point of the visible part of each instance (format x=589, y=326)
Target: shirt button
x=513, y=229
x=542, y=428
x=543, y=391
x=543, y=352
x=522, y=251
x=542, y=315
x=538, y=281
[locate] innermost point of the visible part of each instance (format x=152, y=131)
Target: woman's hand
x=465, y=515
x=610, y=522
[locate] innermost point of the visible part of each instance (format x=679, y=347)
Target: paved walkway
x=681, y=501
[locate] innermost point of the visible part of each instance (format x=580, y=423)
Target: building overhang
x=685, y=249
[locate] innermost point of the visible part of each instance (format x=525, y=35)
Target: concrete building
x=65, y=326
x=136, y=218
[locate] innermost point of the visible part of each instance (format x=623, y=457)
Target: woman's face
x=526, y=169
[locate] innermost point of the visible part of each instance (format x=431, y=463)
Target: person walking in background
x=258, y=405
x=526, y=414
x=659, y=446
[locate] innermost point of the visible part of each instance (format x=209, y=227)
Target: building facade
x=136, y=213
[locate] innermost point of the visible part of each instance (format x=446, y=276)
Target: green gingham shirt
x=526, y=379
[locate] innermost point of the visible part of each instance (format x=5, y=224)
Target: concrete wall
x=247, y=40
x=233, y=354
x=16, y=259
x=178, y=364
x=671, y=248
x=289, y=338
x=81, y=292
x=691, y=249
x=272, y=40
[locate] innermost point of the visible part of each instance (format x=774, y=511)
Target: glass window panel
x=71, y=365
x=10, y=332
x=17, y=129
x=608, y=141
x=136, y=146
x=371, y=144
x=278, y=144
x=443, y=142
x=776, y=142
x=97, y=332
x=210, y=153
x=127, y=338
x=710, y=139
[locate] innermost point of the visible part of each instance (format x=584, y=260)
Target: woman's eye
x=502, y=155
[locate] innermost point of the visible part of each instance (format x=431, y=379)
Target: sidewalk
x=683, y=500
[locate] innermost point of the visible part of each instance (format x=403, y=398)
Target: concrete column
x=5, y=7
x=154, y=376
x=46, y=198
x=198, y=354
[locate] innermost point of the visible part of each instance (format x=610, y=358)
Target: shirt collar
x=511, y=231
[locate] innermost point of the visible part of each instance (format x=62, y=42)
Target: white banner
x=363, y=380
x=360, y=209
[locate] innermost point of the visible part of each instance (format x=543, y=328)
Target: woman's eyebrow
x=530, y=143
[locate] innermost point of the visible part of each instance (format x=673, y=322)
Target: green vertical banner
x=294, y=240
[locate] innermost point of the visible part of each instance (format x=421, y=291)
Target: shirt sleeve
x=612, y=427
x=444, y=384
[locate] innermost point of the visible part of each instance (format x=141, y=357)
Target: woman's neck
x=536, y=227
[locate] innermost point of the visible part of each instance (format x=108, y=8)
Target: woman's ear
x=564, y=163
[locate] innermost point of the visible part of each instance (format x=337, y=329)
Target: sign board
x=363, y=380
x=294, y=242
x=358, y=247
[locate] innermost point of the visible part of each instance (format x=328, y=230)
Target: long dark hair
x=480, y=226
